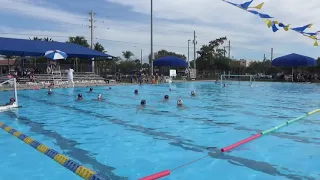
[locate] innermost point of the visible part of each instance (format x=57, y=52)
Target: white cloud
x=210, y=18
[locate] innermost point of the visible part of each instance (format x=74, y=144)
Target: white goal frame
x=13, y=82
x=235, y=75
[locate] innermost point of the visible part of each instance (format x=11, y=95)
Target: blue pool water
x=120, y=141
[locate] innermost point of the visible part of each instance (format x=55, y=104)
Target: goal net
x=237, y=80
x=10, y=87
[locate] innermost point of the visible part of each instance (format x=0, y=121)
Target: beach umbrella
x=55, y=55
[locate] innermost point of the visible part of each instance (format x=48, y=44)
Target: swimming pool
x=121, y=142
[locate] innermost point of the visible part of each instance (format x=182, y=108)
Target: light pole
x=151, y=44
x=140, y=56
x=189, y=53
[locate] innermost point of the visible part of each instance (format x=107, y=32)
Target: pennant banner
x=275, y=25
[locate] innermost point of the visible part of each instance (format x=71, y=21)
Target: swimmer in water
x=143, y=103
x=224, y=85
x=166, y=98
x=80, y=97
x=11, y=102
x=100, y=97
x=91, y=89
x=50, y=92
x=179, y=103
x=136, y=92
x=109, y=87
x=193, y=93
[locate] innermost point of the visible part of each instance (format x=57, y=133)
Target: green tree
x=127, y=55
x=211, y=56
x=47, y=39
x=80, y=40
x=36, y=39
x=98, y=47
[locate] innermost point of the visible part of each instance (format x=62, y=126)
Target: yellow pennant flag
x=286, y=28
x=259, y=6
x=268, y=22
x=310, y=25
x=316, y=43
x=313, y=37
x=276, y=22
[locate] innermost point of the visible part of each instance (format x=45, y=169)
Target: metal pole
x=15, y=90
x=194, y=50
x=189, y=53
x=141, y=58
x=271, y=54
x=229, y=49
x=151, y=44
x=91, y=28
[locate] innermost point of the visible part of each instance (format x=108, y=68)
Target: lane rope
x=232, y=146
x=66, y=162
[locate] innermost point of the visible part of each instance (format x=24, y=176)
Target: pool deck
x=26, y=87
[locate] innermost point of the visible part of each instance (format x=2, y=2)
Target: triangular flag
x=276, y=22
x=259, y=6
x=316, y=43
x=313, y=37
x=268, y=22
x=274, y=28
x=310, y=25
x=286, y=28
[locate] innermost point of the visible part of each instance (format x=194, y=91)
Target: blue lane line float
x=66, y=162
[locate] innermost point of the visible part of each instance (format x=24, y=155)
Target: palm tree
x=80, y=40
x=47, y=39
x=127, y=54
x=98, y=47
x=36, y=39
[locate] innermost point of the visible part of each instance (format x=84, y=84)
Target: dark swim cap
x=91, y=89
x=79, y=95
x=136, y=91
x=166, y=96
x=143, y=102
x=12, y=100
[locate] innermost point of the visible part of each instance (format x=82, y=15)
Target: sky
x=122, y=25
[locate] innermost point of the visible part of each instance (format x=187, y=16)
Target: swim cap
x=166, y=97
x=12, y=99
x=193, y=93
x=99, y=96
x=143, y=102
x=180, y=102
x=79, y=95
x=91, y=89
x=136, y=91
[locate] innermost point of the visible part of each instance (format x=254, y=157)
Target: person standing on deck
x=70, y=76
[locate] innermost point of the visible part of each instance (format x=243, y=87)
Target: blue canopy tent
x=294, y=60
x=25, y=47
x=170, y=61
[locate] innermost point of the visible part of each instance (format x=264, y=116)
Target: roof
x=294, y=60
x=4, y=62
x=171, y=61
x=25, y=47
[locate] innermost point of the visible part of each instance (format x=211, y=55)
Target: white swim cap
x=180, y=102
x=99, y=95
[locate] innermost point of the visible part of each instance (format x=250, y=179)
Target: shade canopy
x=170, y=61
x=25, y=47
x=294, y=60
